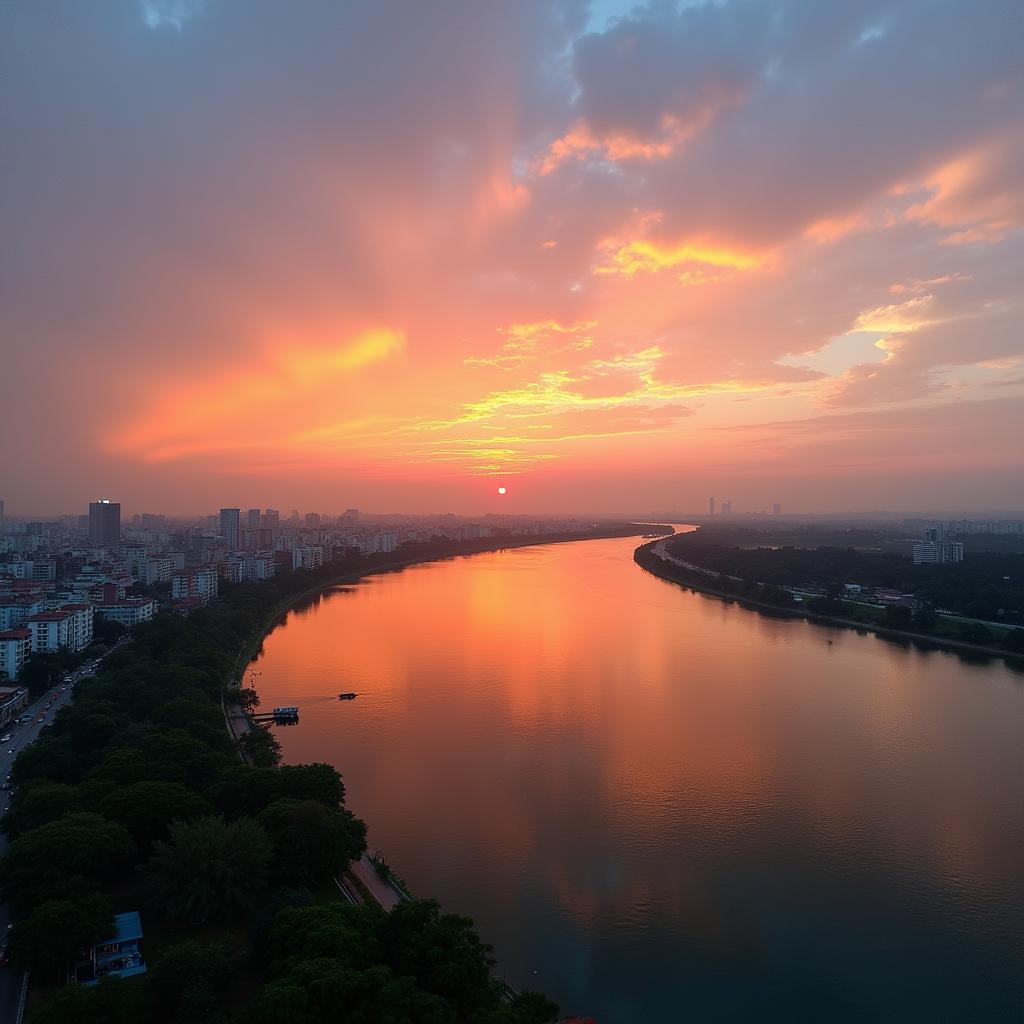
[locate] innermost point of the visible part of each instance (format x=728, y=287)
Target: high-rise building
x=229, y=527
x=727, y=507
x=776, y=509
x=711, y=506
x=271, y=518
x=253, y=519
x=104, y=522
x=312, y=519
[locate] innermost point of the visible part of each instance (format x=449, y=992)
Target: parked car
x=6, y=738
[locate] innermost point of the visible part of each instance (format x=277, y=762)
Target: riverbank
x=649, y=560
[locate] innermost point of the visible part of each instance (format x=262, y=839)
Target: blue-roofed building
x=115, y=957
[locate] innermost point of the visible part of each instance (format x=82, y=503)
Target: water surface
x=658, y=806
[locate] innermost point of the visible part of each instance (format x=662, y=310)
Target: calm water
x=659, y=807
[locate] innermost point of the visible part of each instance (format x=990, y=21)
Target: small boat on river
x=346, y=696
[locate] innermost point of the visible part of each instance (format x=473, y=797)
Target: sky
x=395, y=255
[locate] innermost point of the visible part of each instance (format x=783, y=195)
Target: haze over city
x=395, y=256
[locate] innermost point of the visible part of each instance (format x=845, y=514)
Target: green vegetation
x=136, y=798
x=988, y=585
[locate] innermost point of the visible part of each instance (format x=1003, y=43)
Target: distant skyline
x=396, y=255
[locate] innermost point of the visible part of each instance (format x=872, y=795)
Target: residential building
x=711, y=506
x=68, y=626
x=252, y=519
x=117, y=957
x=129, y=612
x=155, y=570
x=307, y=557
x=15, y=647
x=200, y=583
x=104, y=523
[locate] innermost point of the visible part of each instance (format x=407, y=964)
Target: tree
x=260, y=747
x=342, y=933
x=322, y=991
x=187, y=983
x=316, y=781
x=112, y=1001
x=441, y=951
x=49, y=938
x=146, y=809
x=43, y=860
x=245, y=697
x=244, y=790
x=210, y=869
x=976, y=633
x=924, y=619
x=106, y=631
x=897, y=617
x=312, y=843
x=1014, y=641
x=37, y=804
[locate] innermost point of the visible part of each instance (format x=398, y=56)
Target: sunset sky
x=324, y=254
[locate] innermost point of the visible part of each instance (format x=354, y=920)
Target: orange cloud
x=646, y=256
x=209, y=417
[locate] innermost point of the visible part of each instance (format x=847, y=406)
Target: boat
x=346, y=696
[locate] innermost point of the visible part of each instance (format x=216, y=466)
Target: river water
x=661, y=807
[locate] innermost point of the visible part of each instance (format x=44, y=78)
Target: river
x=661, y=807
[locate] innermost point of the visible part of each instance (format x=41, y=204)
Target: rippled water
x=658, y=806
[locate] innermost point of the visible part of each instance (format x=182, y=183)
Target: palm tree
x=211, y=868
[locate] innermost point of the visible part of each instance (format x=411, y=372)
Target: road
x=12, y=981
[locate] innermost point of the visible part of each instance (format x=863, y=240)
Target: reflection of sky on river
x=662, y=803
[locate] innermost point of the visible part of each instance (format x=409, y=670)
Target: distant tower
x=711, y=506
x=727, y=507
x=253, y=518
x=104, y=522
x=229, y=527
x=776, y=509
x=271, y=518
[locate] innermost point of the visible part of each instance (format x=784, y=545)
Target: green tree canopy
x=112, y=1001
x=210, y=869
x=52, y=935
x=312, y=843
x=36, y=804
x=146, y=809
x=43, y=859
x=187, y=983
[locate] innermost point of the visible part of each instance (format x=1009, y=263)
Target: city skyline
x=398, y=257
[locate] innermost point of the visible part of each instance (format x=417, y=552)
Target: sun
x=502, y=490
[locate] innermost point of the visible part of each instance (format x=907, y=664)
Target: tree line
x=760, y=574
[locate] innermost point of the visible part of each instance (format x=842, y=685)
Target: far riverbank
x=647, y=559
